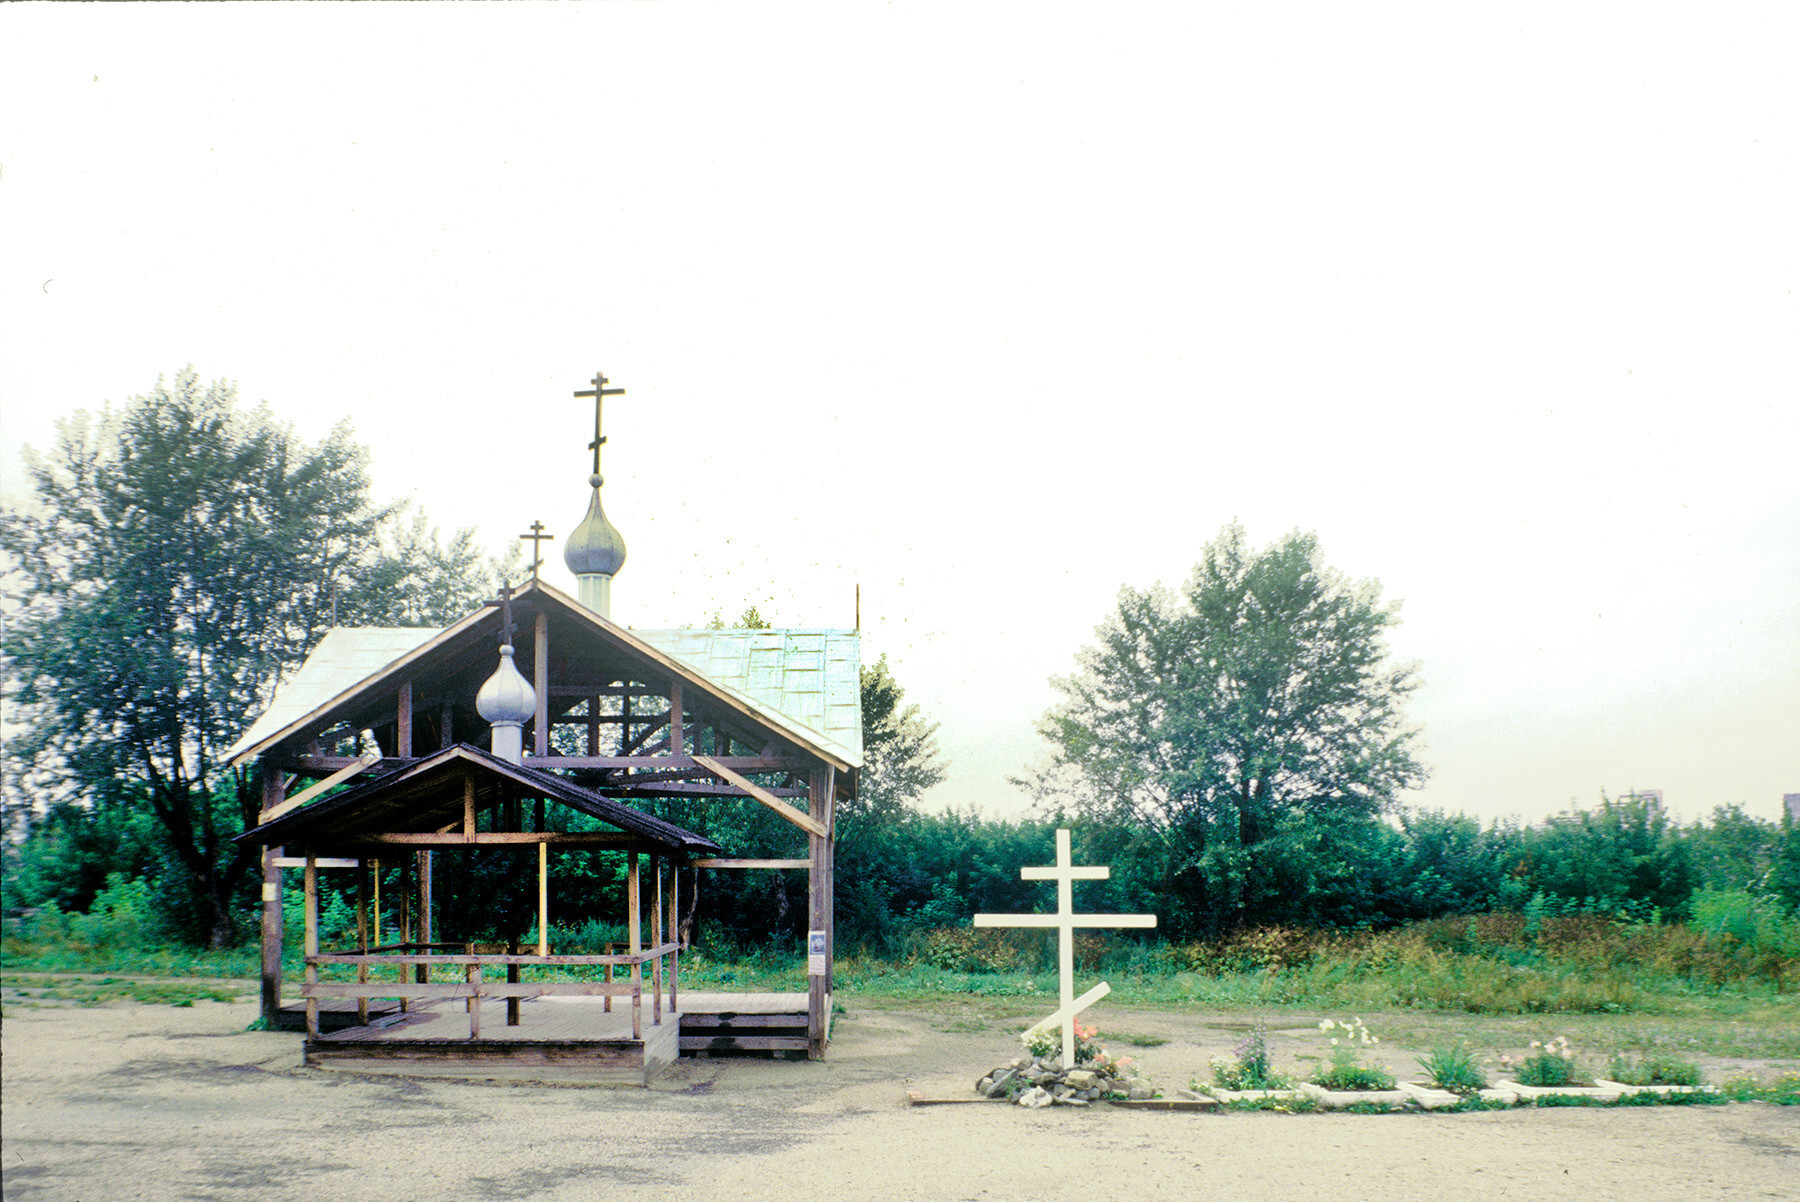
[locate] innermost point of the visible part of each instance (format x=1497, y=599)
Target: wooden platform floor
x=572, y=1039
x=562, y=1019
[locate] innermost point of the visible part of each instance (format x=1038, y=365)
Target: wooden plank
x=321, y=861
x=752, y=863
x=366, y=760
x=744, y=1043
x=1190, y=1104
x=915, y=1098
x=541, y=682
x=464, y=989
x=468, y=822
x=693, y=1020
x=498, y=958
x=805, y=822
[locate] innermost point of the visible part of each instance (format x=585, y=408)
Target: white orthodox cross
x=1065, y=920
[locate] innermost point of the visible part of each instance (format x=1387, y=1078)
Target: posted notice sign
x=815, y=953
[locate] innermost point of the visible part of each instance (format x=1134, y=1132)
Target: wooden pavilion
x=614, y=716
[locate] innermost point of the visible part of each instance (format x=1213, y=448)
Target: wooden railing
x=414, y=971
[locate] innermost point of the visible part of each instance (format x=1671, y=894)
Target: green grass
x=32, y=990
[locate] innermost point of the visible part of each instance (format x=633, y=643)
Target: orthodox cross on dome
x=1065, y=920
x=599, y=392
x=536, y=537
x=506, y=622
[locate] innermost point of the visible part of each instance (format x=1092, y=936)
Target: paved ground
x=148, y=1101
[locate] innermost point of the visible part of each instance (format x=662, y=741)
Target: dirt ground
x=129, y=1100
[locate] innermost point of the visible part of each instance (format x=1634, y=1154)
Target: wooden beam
x=490, y=839
x=752, y=863
x=403, y=721
x=805, y=822
x=678, y=763
x=366, y=760
x=603, y=690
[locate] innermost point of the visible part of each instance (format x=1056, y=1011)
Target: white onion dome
x=595, y=548
x=506, y=698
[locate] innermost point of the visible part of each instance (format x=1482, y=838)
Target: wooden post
x=543, y=899
x=633, y=923
x=677, y=721
x=423, y=972
x=674, y=937
x=362, y=939
x=475, y=1002
x=403, y=721
x=312, y=941
x=512, y=978
x=656, y=976
x=541, y=684
x=818, y=986
x=469, y=806
x=406, y=929
x=274, y=792
x=446, y=726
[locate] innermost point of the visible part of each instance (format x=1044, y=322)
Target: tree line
x=1234, y=749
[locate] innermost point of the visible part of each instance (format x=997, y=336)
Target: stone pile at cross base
x=1043, y=1081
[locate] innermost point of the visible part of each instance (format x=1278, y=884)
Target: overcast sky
x=992, y=310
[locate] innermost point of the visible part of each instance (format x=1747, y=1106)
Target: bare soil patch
x=132, y=1100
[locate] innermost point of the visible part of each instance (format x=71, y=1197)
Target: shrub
x=1453, y=1067
x=1344, y=1071
x=1652, y=1069
x=1248, y=1065
x=1550, y=1063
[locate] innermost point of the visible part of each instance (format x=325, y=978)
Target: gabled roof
x=811, y=676
x=427, y=795
x=759, y=673
x=344, y=658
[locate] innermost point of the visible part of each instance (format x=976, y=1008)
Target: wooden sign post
x=1065, y=920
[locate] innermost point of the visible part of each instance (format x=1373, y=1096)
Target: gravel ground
x=128, y=1101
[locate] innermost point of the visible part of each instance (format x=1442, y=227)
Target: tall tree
x=900, y=751
x=1235, y=721
x=181, y=553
